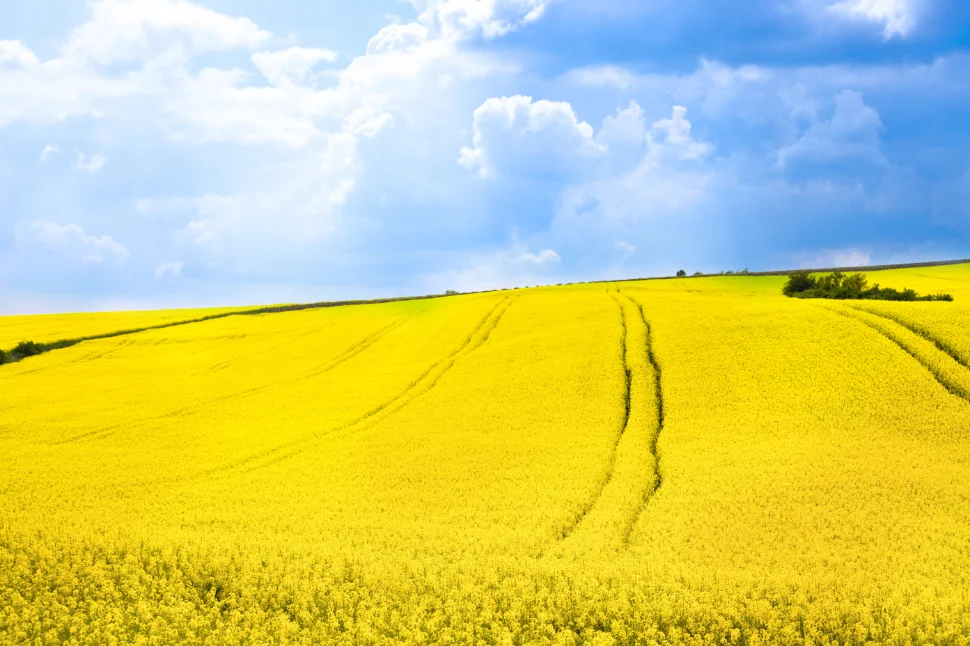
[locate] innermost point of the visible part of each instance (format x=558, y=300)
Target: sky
x=168, y=153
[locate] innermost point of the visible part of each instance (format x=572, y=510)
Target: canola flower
x=44, y=328
x=659, y=462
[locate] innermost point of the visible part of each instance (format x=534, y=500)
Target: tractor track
x=955, y=389
x=419, y=386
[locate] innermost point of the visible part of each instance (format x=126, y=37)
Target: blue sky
x=158, y=153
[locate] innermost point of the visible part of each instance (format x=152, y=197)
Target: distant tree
x=697, y=273
x=450, y=292
x=681, y=273
x=800, y=281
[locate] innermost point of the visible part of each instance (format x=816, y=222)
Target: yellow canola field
x=44, y=328
x=656, y=462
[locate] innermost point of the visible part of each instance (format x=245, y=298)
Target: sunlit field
x=45, y=328
x=684, y=461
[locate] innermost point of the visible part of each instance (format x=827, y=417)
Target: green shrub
x=26, y=349
x=802, y=284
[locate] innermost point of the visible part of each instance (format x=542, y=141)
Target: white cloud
x=13, y=53
x=49, y=150
x=544, y=257
x=123, y=63
x=518, y=136
x=853, y=132
x=217, y=106
x=826, y=258
x=456, y=19
x=714, y=89
x=671, y=176
x=223, y=104
x=291, y=66
x=398, y=39
x=897, y=17
x=604, y=75
x=366, y=122
x=70, y=241
x=123, y=30
x=295, y=199
x=671, y=138
x=297, y=206
x=90, y=163
x=172, y=269
x=623, y=128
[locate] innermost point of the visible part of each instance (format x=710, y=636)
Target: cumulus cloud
x=670, y=176
x=489, y=18
x=517, y=136
x=714, y=88
x=292, y=198
x=897, y=17
x=544, y=257
x=158, y=41
x=398, y=39
x=70, y=241
x=626, y=127
x=853, y=132
x=672, y=138
x=134, y=57
x=90, y=163
x=14, y=53
x=291, y=66
x=173, y=269
x=624, y=137
x=48, y=150
x=122, y=30
x=218, y=106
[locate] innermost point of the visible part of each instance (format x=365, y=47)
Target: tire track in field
x=344, y=356
x=897, y=333
x=655, y=440
x=568, y=530
x=942, y=345
x=419, y=386
x=608, y=519
x=268, y=351
x=428, y=380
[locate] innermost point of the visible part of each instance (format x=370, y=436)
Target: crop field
x=684, y=461
x=45, y=328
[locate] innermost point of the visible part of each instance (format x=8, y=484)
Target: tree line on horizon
x=840, y=286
